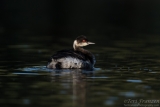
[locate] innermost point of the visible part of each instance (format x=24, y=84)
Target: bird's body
x=73, y=58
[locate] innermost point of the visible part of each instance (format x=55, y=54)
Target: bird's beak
x=90, y=43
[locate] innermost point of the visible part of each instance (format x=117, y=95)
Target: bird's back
x=71, y=59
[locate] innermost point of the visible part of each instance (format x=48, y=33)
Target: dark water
x=127, y=72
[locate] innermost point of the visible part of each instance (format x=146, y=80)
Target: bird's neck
x=78, y=48
x=86, y=52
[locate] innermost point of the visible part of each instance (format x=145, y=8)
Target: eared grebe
x=74, y=58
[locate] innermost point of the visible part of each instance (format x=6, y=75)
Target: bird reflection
x=76, y=79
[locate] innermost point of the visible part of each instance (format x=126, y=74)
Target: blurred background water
x=127, y=50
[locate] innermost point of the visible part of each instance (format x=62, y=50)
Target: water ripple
x=134, y=81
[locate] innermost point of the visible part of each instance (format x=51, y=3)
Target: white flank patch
x=70, y=62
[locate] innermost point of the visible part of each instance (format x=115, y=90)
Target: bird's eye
x=83, y=40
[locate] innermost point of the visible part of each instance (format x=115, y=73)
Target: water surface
x=126, y=70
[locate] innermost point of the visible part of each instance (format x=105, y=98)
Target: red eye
x=83, y=40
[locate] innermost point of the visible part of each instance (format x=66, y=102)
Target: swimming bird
x=78, y=57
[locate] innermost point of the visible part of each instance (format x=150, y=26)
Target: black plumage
x=73, y=54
